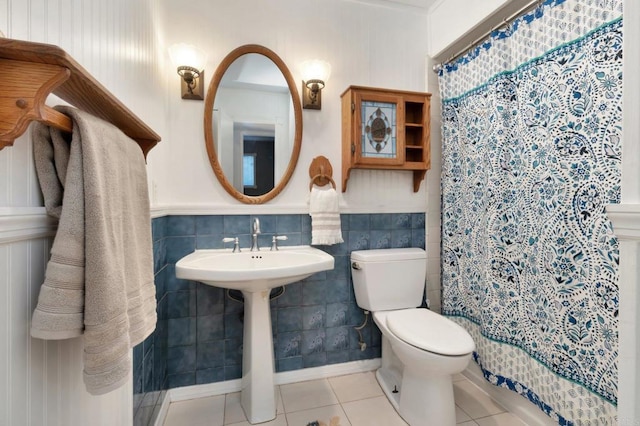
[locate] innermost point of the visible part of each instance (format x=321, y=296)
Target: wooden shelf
x=416, y=165
x=412, y=114
x=30, y=71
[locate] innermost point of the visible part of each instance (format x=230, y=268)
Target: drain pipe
x=361, y=341
x=236, y=295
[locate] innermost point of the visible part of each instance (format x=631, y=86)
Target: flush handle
x=354, y=265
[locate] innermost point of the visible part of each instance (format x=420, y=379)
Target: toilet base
x=391, y=384
x=419, y=402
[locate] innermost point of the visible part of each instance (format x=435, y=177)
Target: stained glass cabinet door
x=379, y=134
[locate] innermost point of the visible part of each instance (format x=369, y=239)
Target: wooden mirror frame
x=208, y=123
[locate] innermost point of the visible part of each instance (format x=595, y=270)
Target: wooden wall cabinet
x=385, y=129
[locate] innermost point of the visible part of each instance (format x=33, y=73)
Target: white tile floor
x=352, y=400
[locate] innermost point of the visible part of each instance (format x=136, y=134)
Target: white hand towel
x=325, y=216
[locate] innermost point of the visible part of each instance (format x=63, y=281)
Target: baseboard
x=164, y=409
x=221, y=388
x=203, y=391
x=325, y=371
x=514, y=403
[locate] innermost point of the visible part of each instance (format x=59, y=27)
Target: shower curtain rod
x=523, y=10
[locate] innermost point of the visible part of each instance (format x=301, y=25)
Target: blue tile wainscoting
x=199, y=334
x=150, y=356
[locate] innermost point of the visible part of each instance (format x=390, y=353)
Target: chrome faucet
x=254, y=235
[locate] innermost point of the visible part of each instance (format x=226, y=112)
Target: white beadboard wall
x=432, y=223
x=120, y=43
x=451, y=31
x=626, y=222
x=367, y=45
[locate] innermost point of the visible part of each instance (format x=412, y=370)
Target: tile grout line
x=504, y=410
x=339, y=402
x=456, y=404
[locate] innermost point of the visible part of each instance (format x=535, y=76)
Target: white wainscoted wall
x=451, y=31
x=626, y=225
x=366, y=45
x=119, y=42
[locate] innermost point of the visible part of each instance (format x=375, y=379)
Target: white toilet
x=421, y=350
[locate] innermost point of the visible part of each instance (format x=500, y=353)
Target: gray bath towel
x=99, y=279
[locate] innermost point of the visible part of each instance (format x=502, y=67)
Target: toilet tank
x=388, y=279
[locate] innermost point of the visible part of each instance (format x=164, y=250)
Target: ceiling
x=420, y=4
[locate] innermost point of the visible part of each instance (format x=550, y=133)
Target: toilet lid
x=430, y=331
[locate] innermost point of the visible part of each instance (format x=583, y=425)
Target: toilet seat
x=430, y=331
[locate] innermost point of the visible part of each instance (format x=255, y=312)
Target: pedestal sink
x=255, y=274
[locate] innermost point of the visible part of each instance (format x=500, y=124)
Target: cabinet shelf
x=385, y=129
x=416, y=165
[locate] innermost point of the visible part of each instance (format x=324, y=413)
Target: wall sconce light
x=315, y=74
x=190, y=62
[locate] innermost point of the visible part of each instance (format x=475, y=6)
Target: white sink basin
x=253, y=271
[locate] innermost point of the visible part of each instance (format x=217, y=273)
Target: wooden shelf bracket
x=29, y=72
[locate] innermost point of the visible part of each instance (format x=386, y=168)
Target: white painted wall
x=432, y=225
x=118, y=41
x=453, y=24
x=366, y=45
x=626, y=224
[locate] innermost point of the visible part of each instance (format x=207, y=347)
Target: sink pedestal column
x=258, y=398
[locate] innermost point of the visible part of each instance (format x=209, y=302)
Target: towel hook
x=320, y=172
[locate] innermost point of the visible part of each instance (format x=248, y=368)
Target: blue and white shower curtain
x=531, y=157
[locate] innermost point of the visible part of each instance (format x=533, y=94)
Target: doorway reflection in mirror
x=252, y=106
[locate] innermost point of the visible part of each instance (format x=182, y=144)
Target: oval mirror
x=253, y=124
